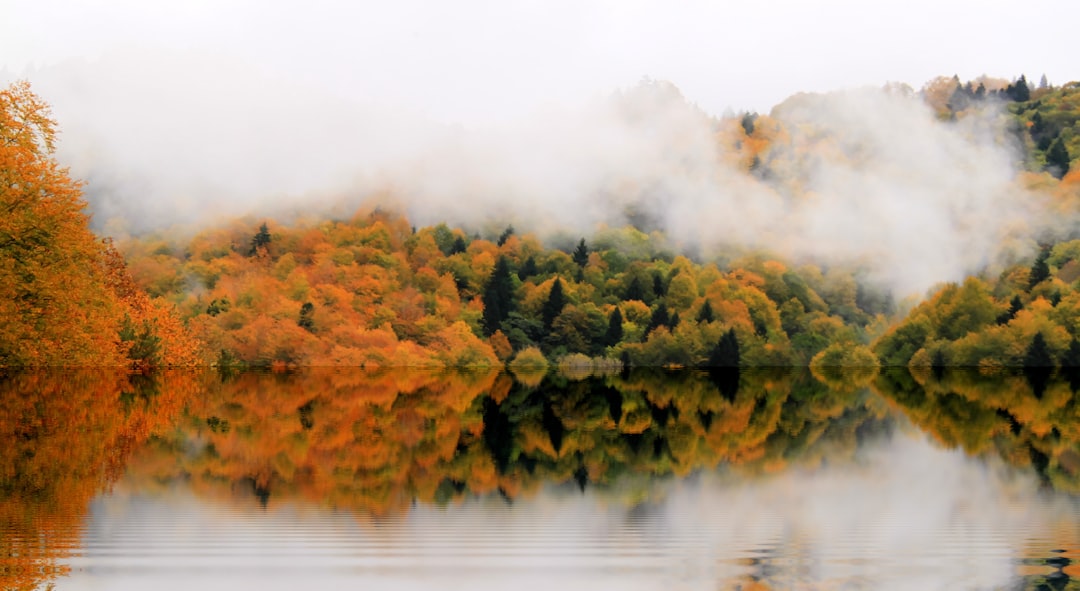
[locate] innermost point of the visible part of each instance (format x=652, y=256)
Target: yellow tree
x=55, y=305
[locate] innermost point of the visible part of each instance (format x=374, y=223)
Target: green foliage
x=1038, y=353
x=1057, y=159
x=507, y=233
x=705, y=314
x=498, y=297
x=726, y=351
x=1040, y=270
x=261, y=240
x=581, y=254
x=305, y=321
x=614, y=332
x=554, y=304
x=144, y=345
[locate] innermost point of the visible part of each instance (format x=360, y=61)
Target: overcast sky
x=484, y=60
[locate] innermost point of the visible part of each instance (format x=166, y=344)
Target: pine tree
x=658, y=285
x=1040, y=271
x=1038, y=354
x=459, y=246
x=261, y=240
x=747, y=122
x=674, y=320
x=1015, y=305
x=305, y=321
x=706, y=313
x=528, y=269
x=554, y=305
x=507, y=233
x=726, y=351
x=1057, y=159
x=634, y=291
x=1072, y=355
x=659, y=318
x=614, y=332
x=581, y=254
x=497, y=297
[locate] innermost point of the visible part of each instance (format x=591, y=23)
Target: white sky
x=481, y=60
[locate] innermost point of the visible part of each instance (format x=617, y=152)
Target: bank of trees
x=1025, y=317
x=65, y=296
x=374, y=291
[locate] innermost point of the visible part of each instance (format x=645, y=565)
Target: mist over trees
x=371, y=288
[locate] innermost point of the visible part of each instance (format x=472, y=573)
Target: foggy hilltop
x=852, y=176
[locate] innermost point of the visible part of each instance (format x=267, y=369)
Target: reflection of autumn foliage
x=64, y=437
x=1026, y=421
x=375, y=442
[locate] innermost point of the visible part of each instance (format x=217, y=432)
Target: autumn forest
x=373, y=290
x=369, y=357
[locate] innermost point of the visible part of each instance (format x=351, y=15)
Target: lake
x=410, y=479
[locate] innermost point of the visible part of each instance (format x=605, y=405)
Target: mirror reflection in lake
x=409, y=479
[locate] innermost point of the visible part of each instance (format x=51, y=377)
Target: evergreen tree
x=1019, y=91
x=507, y=233
x=1015, y=305
x=528, y=269
x=1040, y=271
x=1057, y=159
x=1038, y=354
x=305, y=321
x=498, y=296
x=555, y=303
x=581, y=254
x=726, y=351
x=674, y=320
x=634, y=291
x=747, y=122
x=261, y=240
x=659, y=318
x=614, y=332
x=1072, y=355
x=658, y=285
x=458, y=246
x=706, y=313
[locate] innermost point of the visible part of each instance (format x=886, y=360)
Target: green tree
x=659, y=318
x=1057, y=159
x=614, y=332
x=1038, y=354
x=1015, y=305
x=1040, y=271
x=706, y=313
x=260, y=240
x=581, y=254
x=555, y=303
x=528, y=269
x=1072, y=355
x=635, y=291
x=305, y=321
x=726, y=351
x=507, y=233
x=498, y=296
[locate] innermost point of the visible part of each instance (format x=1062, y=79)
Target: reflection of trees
x=1028, y=422
x=64, y=437
x=376, y=442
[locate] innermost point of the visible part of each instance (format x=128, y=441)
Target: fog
x=903, y=515
x=554, y=118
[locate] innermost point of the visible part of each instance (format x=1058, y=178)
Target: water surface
x=645, y=480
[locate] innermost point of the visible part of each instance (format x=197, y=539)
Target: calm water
x=647, y=480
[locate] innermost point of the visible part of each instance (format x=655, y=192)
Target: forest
x=372, y=290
